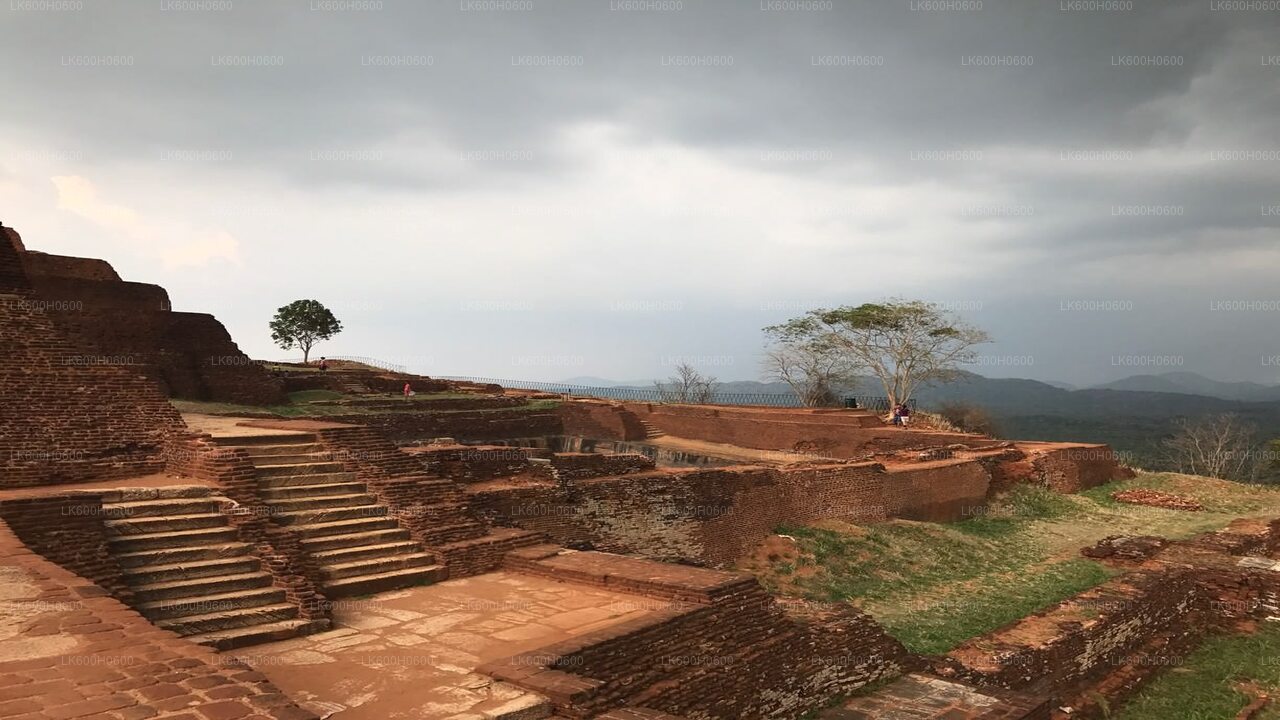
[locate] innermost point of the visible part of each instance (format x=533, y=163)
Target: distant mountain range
x=1133, y=415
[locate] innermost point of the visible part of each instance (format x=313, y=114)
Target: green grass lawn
x=934, y=585
x=1204, y=687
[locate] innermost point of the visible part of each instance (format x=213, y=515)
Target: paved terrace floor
x=413, y=653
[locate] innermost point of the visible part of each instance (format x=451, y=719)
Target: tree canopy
x=903, y=343
x=303, y=323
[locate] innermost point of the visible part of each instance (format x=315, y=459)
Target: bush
x=969, y=418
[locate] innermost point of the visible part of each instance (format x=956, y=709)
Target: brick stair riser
x=276, y=494
x=265, y=451
x=300, y=459
x=246, y=440
x=195, y=506
x=321, y=468
x=160, y=524
x=192, y=625
x=203, y=586
x=319, y=502
x=283, y=481
x=235, y=566
x=169, y=556
x=203, y=606
x=379, y=565
x=349, y=527
x=367, y=585
x=312, y=545
x=364, y=552
x=264, y=633
x=133, y=544
x=328, y=515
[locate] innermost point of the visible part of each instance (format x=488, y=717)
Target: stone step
x=352, y=540
x=381, y=582
x=255, y=634
x=278, y=481
x=163, y=523
x=363, y=552
x=277, y=494
x=205, y=604
x=346, y=527
x=269, y=439
x=326, y=516
x=195, y=587
x=374, y=566
x=239, y=617
x=297, y=459
x=167, y=556
x=320, y=502
x=295, y=469
x=263, y=451
x=150, y=508
x=180, y=539
x=150, y=574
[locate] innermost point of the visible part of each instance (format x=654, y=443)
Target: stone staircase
x=359, y=547
x=650, y=431
x=190, y=574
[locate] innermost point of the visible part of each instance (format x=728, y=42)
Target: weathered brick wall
x=190, y=354
x=599, y=419
x=831, y=433
x=67, y=414
x=472, y=463
x=1069, y=469
x=13, y=278
x=724, y=649
x=462, y=425
x=1088, y=636
x=943, y=491
x=69, y=530
x=581, y=466
x=709, y=517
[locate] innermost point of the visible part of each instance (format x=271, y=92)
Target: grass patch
x=1204, y=687
x=935, y=585
x=305, y=396
x=936, y=627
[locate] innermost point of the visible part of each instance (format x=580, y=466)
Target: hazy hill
x=1195, y=384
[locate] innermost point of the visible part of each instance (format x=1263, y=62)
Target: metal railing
x=655, y=395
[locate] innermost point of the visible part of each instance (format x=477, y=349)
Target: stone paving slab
x=414, y=653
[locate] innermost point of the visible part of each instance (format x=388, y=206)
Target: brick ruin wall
x=68, y=530
x=717, y=516
x=832, y=434
x=461, y=425
x=723, y=648
x=1097, y=648
x=191, y=355
x=82, y=417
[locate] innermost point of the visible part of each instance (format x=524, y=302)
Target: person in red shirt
x=407, y=391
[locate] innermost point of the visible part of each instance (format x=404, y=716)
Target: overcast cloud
x=540, y=190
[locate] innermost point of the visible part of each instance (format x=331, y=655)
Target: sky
x=538, y=190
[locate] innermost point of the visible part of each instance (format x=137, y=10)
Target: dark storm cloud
x=1092, y=136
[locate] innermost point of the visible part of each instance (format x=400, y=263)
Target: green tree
x=904, y=343
x=303, y=323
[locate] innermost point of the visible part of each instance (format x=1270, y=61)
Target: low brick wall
x=68, y=529
x=722, y=649
x=581, y=466
x=717, y=516
x=463, y=425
